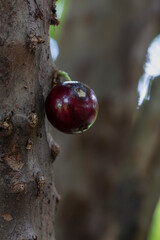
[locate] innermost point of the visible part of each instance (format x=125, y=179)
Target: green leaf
x=154, y=233
x=62, y=7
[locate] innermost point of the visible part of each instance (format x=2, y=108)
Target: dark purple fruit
x=71, y=107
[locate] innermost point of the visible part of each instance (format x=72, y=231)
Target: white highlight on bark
x=151, y=70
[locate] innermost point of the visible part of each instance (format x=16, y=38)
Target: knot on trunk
x=40, y=181
x=13, y=181
x=6, y=128
x=14, y=160
x=29, y=144
x=33, y=120
x=54, y=20
x=20, y=120
x=55, y=150
x=17, y=184
x=34, y=41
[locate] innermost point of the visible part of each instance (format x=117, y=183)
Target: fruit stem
x=64, y=74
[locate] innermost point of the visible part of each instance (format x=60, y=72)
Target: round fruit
x=71, y=107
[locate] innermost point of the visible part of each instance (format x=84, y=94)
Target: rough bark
x=27, y=193
x=109, y=179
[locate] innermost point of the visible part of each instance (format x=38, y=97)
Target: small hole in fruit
x=80, y=92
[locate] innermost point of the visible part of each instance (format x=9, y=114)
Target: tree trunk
x=109, y=180
x=27, y=194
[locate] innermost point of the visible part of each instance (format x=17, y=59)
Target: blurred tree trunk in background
x=109, y=176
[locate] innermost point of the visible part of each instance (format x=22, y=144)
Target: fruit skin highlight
x=71, y=107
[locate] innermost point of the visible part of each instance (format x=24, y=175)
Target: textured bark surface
x=109, y=179
x=27, y=193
